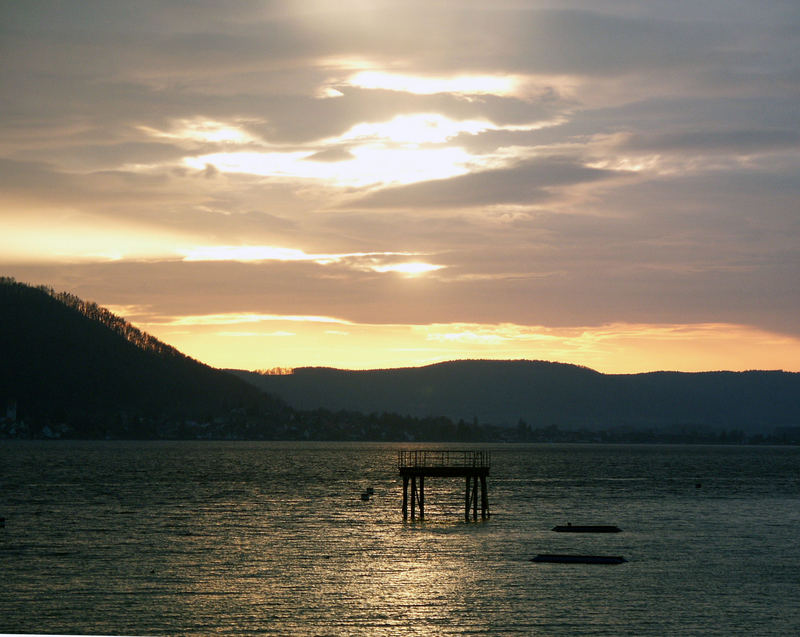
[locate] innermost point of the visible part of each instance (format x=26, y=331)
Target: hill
x=543, y=394
x=72, y=368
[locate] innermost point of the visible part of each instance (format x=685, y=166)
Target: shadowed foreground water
x=241, y=538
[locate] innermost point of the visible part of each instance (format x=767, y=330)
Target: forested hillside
x=78, y=370
x=543, y=394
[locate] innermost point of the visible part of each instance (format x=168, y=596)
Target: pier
x=418, y=464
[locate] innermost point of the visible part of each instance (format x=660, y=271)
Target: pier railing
x=435, y=458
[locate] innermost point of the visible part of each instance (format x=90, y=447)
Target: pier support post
x=475, y=497
x=413, y=497
x=422, y=497
x=484, y=499
x=405, y=497
x=466, y=500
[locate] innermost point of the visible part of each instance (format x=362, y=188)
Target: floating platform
x=587, y=528
x=579, y=559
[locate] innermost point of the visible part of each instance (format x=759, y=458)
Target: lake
x=270, y=538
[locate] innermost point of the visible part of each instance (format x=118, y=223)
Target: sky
x=377, y=184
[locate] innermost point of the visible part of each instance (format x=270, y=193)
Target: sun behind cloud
x=431, y=84
x=413, y=268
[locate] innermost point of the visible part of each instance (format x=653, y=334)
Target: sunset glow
x=246, y=318
x=200, y=130
x=429, y=85
x=420, y=128
x=371, y=184
x=614, y=349
x=368, y=261
x=70, y=238
x=291, y=289
x=369, y=164
x=408, y=268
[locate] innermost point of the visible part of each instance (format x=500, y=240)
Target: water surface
x=199, y=538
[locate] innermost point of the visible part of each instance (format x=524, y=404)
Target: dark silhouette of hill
x=542, y=394
x=76, y=368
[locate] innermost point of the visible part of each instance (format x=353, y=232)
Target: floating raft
x=590, y=528
x=579, y=559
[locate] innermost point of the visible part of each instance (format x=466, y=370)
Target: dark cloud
x=700, y=112
x=26, y=178
x=304, y=118
x=332, y=154
x=585, y=42
x=715, y=141
x=528, y=182
x=88, y=157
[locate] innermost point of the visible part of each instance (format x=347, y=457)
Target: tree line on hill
x=70, y=368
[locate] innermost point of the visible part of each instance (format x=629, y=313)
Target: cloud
x=245, y=318
x=332, y=154
x=96, y=157
x=526, y=182
x=548, y=163
x=738, y=141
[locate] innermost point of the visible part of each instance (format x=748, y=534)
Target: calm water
x=273, y=538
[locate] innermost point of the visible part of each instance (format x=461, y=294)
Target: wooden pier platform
x=417, y=464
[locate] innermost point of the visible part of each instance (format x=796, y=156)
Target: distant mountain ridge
x=542, y=394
